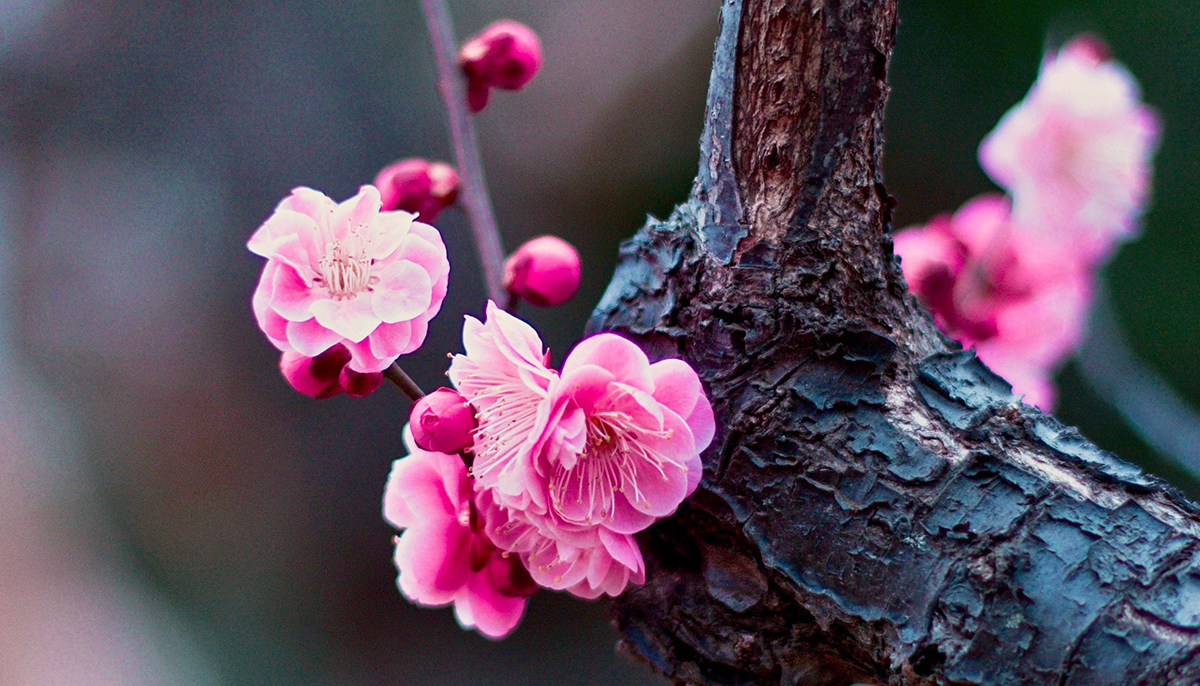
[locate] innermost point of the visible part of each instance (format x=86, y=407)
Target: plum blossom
x=444, y=554
x=347, y=273
x=990, y=285
x=1075, y=153
x=582, y=460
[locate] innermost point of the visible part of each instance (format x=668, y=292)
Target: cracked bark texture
x=877, y=506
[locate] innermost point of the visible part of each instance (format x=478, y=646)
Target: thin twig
x=1146, y=402
x=474, y=194
x=397, y=376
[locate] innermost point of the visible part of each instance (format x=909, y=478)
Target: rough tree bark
x=877, y=506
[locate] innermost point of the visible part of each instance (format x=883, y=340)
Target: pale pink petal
x=431, y=256
x=395, y=509
x=291, y=297
x=309, y=202
x=388, y=230
x=391, y=340
x=676, y=385
x=493, y=614
x=404, y=292
x=310, y=338
x=356, y=211
x=352, y=318
x=625, y=360
x=363, y=360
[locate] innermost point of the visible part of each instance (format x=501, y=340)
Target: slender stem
x=474, y=194
x=397, y=376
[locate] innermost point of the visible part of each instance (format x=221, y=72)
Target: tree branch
x=877, y=505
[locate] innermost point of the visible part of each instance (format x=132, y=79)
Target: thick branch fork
x=877, y=506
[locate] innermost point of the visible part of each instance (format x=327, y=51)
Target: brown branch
x=878, y=506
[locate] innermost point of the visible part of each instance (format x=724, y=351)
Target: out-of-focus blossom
x=1075, y=153
x=444, y=554
x=584, y=459
x=991, y=285
x=443, y=422
x=505, y=55
x=348, y=273
x=543, y=271
x=417, y=185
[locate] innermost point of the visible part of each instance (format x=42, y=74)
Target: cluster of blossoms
x=1012, y=276
x=523, y=476
x=565, y=468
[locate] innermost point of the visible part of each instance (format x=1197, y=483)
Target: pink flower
x=543, y=271
x=443, y=422
x=1075, y=153
x=443, y=554
x=347, y=273
x=417, y=185
x=584, y=459
x=505, y=55
x=994, y=286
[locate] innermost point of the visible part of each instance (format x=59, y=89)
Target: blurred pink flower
x=1075, y=153
x=347, y=273
x=506, y=55
x=995, y=287
x=443, y=553
x=417, y=185
x=584, y=459
x=543, y=271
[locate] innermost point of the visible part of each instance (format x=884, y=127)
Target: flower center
x=345, y=268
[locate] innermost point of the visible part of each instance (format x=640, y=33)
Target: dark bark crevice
x=877, y=505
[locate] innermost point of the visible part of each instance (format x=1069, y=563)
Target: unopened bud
x=359, y=384
x=317, y=377
x=417, y=185
x=544, y=271
x=506, y=55
x=442, y=422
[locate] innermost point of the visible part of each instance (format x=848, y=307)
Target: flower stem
x=397, y=376
x=474, y=194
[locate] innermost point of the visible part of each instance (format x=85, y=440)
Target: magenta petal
x=404, y=292
x=623, y=548
x=625, y=360
x=441, y=554
x=492, y=613
x=585, y=385
x=351, y=318
x=310, y=338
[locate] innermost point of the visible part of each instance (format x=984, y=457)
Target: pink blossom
x=1075, y=153
x=505, y=55
x=347, y=273
x=444, y=554
x=417, y=185
x=443, y=422
x=995, y=287
x=543, y=271
x=582, y=459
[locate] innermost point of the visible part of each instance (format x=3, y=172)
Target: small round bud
x=417, y=185
x=317, y=377
x=359, y=384
x=544, y=271
x=506, y=55
x=442, y=422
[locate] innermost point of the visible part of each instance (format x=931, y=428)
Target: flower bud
x=359, y=384
x=544, y=271
x=317, y=377
x=417, y=185
x=506, y=55
x=443, y=422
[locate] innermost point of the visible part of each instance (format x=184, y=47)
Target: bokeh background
x=172, y=513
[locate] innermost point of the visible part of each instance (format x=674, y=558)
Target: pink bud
x=544, y=271
x=316, y=376
x=506, y=55
x=443, y=422
x=359, y=384
x=417, y=185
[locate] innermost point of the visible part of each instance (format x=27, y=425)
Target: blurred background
x=171, y=512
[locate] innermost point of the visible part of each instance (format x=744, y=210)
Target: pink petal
x=392, y=340
x=395, y=509
x=431, y=256
x=623, y=549
x=404, y=292
x=676, y=385
x=625, y=360
x=291, y=297
x=356, y=211
x=287, y=230
x=388, y=230
x=493, y=614
x=516, y=340
x=310, y=338
x=363, y=360
x=439, y=563
x=308, y=201
x=352, y=318
x=274, y=326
